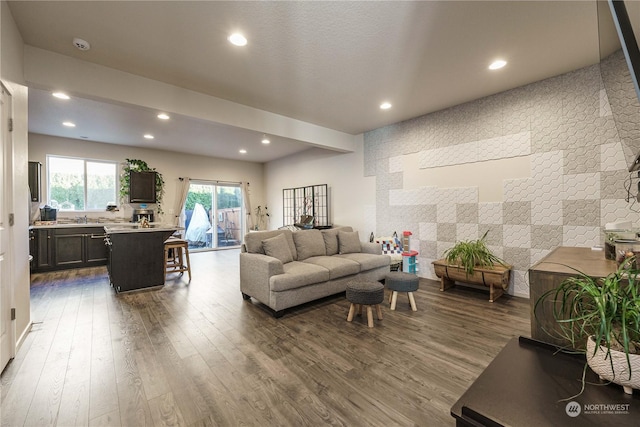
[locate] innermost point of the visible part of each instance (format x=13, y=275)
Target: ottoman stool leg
x=412, y=301
x=394, y=299
x=369, y=316
x=352, y=310
x=379, y=311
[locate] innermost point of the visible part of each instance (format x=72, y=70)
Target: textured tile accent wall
x=579, y=133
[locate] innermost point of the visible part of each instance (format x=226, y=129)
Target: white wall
x=351, y=195
x=170, y=164
x=11, y=74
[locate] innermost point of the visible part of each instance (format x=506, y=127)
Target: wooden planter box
x=496, y=278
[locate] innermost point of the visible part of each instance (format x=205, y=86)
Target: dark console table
x=523, y=386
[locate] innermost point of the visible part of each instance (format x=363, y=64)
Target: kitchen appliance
x=47, y=213
x=138, y=214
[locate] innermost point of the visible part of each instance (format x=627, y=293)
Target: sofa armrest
x=255, y=271
x=371, y=248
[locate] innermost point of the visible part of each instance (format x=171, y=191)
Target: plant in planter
x=470, y=254
x=606, y=313
x=135, y=165
x=473, y=262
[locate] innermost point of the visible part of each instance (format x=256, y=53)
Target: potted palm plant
x=602, y=315
x=471, y=261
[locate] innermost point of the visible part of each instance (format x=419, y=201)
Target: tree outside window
x=80, y=184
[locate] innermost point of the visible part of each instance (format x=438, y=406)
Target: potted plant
x=602, y=315
x=471, y=261
x=135, y=165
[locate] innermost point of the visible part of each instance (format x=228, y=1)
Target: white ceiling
x=326, y=63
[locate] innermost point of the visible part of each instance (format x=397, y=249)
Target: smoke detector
x=81, y=44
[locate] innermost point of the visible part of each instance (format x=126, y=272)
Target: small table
x=523, y=386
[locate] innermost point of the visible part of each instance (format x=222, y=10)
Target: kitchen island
x=136, y=255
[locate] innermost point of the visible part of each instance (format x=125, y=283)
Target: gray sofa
x=284, y=268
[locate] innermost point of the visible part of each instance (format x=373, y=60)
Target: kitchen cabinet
x=63, y=248
x=142, y=187
x=136, y=258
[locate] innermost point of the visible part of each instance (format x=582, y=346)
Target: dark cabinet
x=35, y=181
x=136, y=259
x=63, y=248
x=44, y=249
x=142, y=187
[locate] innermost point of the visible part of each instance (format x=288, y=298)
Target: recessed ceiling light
x=265, y=140
x=237, y=39
x=243, y=151
x=497, y=64
x=148, y=136
x=60, y=95
x=69, y=124
x=163, y=116
x=385, y=106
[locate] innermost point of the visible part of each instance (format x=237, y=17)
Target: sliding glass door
x=213, y=215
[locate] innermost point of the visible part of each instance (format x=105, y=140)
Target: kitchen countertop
x=136, y=228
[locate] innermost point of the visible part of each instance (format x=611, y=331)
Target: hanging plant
x=135, y=165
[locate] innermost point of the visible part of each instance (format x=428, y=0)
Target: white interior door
x=6, y=337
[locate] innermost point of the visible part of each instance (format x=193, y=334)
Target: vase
x=619, y=373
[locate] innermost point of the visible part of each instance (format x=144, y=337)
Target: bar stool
x=175, y=252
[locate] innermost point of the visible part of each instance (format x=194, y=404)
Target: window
x=81, y=184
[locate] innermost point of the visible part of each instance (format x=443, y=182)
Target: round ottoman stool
x=398, y=281
x=367, y=293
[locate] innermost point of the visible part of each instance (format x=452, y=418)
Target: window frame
x=84, y=164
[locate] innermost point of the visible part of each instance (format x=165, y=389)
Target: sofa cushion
x=330, y=237
x=298, y=274
x=309, y=243
x=338, y=267
x=348, y=242
x=253, y=241
x=277, y=247
x=367, y=261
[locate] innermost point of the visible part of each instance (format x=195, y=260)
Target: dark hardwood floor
x=197, y=354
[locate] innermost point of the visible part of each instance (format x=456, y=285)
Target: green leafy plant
x=135, y=165
x=608, y=309
x=470, y=254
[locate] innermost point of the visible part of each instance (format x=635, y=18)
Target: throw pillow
x=330, y=241
x=349, y=242
x=309, y=243
x=278, y=247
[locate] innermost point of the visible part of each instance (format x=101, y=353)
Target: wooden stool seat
x=176, y=252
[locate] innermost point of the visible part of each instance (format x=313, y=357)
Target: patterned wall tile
x=581, y=212
x=517, y=190
x=583, y=186
x=490, y=213
x=447, y=232
x=538, y=254
x=618, y=210
x=547, y=189
x=519, y=258
x=547, y=165
x=576, y=235
x=546, y=237
x=612, y=157
x=428, y=249
x=517, y=236
x=443, y=246
x=467, y=213
x=581, y=160
x=547, y=212
x=497, y=250
x=493, y=232
x=428, y=231
x=446, y=213
x=605, y=107
x=520, y=283
x=516, y=212
x=617, y=185
x=501, y=147
x=369, y=217
x=395, y=164
x=426, y=268
x=466, y=231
